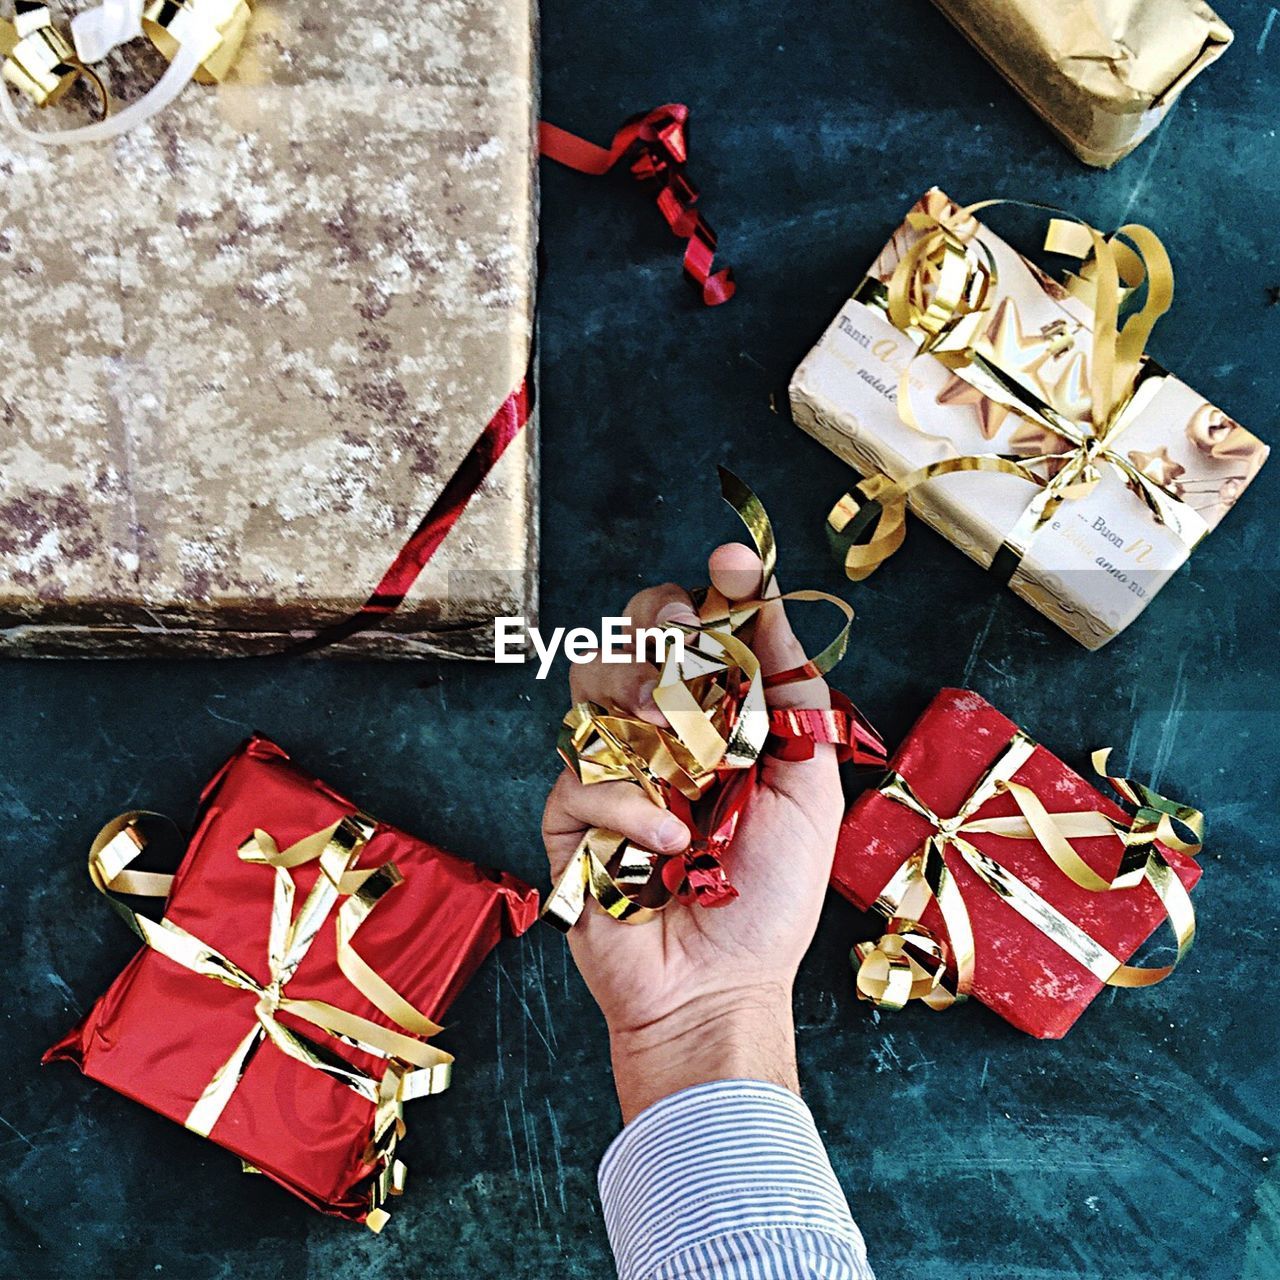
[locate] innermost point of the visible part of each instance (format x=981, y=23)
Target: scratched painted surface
x=1144, y=1145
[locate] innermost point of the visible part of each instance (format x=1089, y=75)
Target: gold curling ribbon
x=414, y=1069
x=940, y=294
x=718, y=723
x=909, y=963
x=706, y=734
x=218, y=26
x=39, y=60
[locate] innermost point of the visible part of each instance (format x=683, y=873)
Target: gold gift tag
x=217, y=27
x=39, y=60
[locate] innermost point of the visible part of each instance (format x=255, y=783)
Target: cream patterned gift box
x=1096, y=564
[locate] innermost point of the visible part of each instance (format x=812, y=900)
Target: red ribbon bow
x=656, y=148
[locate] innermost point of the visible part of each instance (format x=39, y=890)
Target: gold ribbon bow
x=909, y=962
x=940, y=294
x=218, y=26
x=39, y=60
x=414, y=1069
x=713, y=699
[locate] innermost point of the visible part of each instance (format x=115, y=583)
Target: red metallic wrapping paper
x=160, y=1033
x=1019, y=973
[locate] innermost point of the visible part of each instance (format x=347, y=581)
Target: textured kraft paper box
x=248, y=344
x=1102, y=558
x=1102, y=74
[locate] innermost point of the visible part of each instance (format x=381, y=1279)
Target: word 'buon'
x=615, y=642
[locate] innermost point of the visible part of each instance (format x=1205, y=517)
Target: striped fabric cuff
x=717, y=1161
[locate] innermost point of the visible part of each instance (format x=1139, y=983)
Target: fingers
x=615, y=806
x=735, y=572
x=629, y=686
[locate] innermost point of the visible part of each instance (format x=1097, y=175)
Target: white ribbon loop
x=97, y=32
x=176, y=78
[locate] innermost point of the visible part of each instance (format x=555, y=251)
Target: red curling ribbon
x=794, y=731
x=435, y=526
x=698, y=876
x=655, y=148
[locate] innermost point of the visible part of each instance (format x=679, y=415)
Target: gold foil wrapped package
x=1020, y=418
x=1102, y=74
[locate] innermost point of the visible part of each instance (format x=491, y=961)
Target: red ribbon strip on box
x=656, y=149
x=424, y=542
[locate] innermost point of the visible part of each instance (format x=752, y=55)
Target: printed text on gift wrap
x=616, y=642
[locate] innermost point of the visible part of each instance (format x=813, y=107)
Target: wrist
x=744, y=1034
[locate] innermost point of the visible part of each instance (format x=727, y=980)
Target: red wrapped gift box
x=1018, y=971
x=162, y=1033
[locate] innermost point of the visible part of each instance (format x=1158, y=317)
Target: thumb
x=735, y=573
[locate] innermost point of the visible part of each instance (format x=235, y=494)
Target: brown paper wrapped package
x=248, y=344
x=1101, y=74
x=1096, y=565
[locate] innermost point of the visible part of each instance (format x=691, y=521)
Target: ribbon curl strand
x=655, y=148
x=201, y=39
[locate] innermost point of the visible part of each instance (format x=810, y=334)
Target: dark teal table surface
x=1145, y=1145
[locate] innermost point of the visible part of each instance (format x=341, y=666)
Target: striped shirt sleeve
x=727, y=1181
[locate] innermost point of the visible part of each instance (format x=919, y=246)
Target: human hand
x=705, y=994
